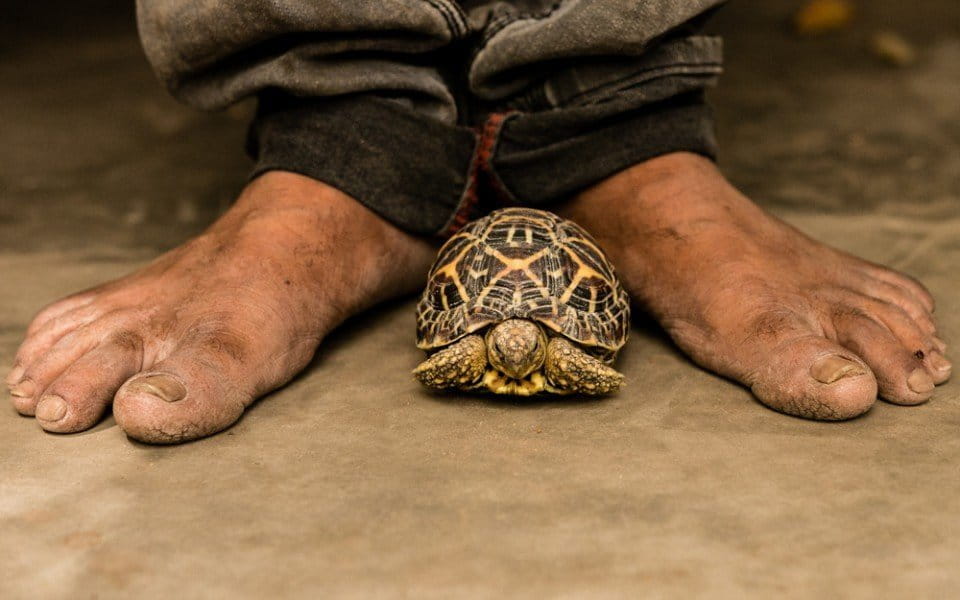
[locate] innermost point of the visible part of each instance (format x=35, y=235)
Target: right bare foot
x=185, y=344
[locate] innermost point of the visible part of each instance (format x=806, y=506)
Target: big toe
x=814, y=378
x=192, y=394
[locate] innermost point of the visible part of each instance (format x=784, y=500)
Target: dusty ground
x=358, y=484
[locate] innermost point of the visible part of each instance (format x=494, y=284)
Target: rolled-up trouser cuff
x=407, y=167
x=545, y=157
x=428, y=177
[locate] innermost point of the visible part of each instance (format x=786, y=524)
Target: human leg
x=184, y=345
x=812, y=331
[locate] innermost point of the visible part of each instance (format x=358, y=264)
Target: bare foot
x=812, y=331
x=184, y=345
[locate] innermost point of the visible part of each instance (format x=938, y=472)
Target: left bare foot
x=813, y=331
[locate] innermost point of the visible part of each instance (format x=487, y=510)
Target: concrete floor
x=354, y=484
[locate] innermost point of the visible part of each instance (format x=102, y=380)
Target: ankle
x=281, y=196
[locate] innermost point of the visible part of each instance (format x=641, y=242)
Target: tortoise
x=522, y=302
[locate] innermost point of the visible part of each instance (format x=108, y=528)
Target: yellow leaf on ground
x=820, y=16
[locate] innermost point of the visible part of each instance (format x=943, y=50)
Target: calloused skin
x=183, y=346
x=812, y=331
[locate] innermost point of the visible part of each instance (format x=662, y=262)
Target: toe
x=940, y=368
x=23, y=395
x=40, y=339
x=198, y=390
x=912, y=335
x=77, y=399
x=810, y=376
x=902, y=376
x=906, y=283
x=58, y=309
x=15, y=375
x=787, y=362
x=40, y=373
x=902, y=299
x=940, y=345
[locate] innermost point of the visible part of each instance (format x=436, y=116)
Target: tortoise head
x=516, y=347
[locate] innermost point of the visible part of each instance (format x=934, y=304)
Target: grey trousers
x=431, y=112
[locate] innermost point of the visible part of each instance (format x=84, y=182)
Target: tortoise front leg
x=570, y=369
x=460, y=365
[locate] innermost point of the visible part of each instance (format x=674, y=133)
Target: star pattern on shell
x=524, y=263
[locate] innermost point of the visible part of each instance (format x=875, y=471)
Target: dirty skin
x=183, y=346
x=811, y=330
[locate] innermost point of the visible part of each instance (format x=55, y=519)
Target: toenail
x=938, y=362
x=16, y=374
x=24, y=389
x=51, y=408
x=920, y=381
x=940, y=345
x=162, y=386
x=832, y=368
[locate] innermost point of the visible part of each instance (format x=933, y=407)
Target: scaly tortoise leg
x=460, y=365
x=571, y=369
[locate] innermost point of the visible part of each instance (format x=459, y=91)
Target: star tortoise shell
x=530, y=264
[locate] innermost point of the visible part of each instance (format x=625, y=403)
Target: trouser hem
x=543, y=158
x=430, y=178
x=409, y=168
